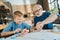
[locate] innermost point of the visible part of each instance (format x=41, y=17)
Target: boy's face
x=18, y=19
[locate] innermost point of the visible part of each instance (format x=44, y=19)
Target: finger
x=39, y=30
x=24, y=32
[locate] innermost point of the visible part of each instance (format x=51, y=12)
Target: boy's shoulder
x=11, y=22
x=24, y=23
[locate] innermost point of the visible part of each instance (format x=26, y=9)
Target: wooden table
x=42, y=35
x=53, y=32
x=2, y=26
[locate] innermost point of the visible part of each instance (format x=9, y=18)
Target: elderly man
x=43, y=19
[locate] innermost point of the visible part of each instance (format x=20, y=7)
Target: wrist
x=43, y=23
x=14, y=32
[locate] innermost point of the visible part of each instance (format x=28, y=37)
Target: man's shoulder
x=46, y=12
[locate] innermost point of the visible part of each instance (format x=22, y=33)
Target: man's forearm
x=6, y=33
x=50, y=19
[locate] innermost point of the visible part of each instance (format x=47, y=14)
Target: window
x=53, y=5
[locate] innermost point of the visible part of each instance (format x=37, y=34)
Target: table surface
x=42, y=35
x=54, y=32
x=2, y=26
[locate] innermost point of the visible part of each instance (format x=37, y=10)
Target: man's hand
x=17, y=30
x=39, y=26
x=24, y=32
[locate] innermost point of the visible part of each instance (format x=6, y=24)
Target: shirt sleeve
x=8, y=28
x=27, y=26
x=58, y=14
x=47, y=14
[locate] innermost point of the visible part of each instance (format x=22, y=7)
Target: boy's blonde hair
x=18, y=13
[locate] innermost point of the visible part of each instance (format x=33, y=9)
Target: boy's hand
x=39, y=26
x=17, y=30
x=32, y=29
x=24, y=32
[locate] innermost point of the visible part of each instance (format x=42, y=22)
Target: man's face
x=18, y=19
x=37, y=10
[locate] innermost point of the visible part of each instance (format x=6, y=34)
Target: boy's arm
x=7, y=31
x=4, y=34
x=10, y=33
x=32, y=29
x=31, y=26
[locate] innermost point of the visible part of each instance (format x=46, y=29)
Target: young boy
x=16, y=26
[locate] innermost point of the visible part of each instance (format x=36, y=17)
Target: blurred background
x=7, y=7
